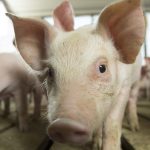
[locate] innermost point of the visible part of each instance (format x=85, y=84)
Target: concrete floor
x=12, y=139
x=141, y=139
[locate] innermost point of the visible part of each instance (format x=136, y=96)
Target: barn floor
x=141, y=140
x=12, y=139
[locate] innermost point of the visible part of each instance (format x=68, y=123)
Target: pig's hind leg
x=21, y=104
x=6, y=106
x=132, y=108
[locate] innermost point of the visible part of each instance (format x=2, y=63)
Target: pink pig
x=91, y=71
x=16, y=82
x=145, y=78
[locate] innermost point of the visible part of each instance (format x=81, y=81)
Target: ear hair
x=33, y=38
x=124, y=23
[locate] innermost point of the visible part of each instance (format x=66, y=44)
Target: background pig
x=132, y=115
x=145, y=80
x=16, y=82
x=6, y=101
x=91, y=71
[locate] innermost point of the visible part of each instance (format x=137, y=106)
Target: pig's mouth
x=70, y=132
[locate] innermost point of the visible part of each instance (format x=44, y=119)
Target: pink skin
x=145, y=79
x=91, y=72
x=113, y=123
x=16, y=83
x=132, y=108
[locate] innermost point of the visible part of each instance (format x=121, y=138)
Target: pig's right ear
x=32, y=39
x=124, y=23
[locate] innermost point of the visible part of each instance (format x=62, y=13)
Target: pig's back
x=12, y=70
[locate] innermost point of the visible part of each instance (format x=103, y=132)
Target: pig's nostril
x=80, y=133
x=58, y=135
x=68, y=131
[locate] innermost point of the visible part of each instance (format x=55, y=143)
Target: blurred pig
x=91, y=71
x=6, y=101
x=145, y=80
x=16, y=81
x=131, y=109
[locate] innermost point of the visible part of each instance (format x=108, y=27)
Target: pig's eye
x=51, y=73
x=102, y=68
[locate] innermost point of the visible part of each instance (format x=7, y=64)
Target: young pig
x=145, y=79
x=6, y=101
x=16, y=82
x=91, y=71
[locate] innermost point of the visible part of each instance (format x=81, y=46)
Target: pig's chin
x=69, y=132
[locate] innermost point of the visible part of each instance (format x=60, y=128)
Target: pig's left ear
x=124, y=22
x=32, y=39
x=64, y=16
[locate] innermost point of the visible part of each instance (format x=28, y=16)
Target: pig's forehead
x=83, y=45
x=82, y=41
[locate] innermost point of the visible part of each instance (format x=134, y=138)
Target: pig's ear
x=64, y=17
x=32, y=38
x=124, y=22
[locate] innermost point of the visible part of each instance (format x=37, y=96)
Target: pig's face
x=83, y=80
x=84, y=65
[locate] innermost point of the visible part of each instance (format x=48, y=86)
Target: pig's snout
x=69, y=131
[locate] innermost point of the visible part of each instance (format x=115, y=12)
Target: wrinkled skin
x=91, y=71
x=16, y=83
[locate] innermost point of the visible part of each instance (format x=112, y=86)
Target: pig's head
x=84, y=64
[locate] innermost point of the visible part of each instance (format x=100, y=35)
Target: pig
x=131, y=110
x=90, y=71
x=6, y=101
x=145, y=81
x=16, y=82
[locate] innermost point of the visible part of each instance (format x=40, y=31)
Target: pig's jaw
x=95, y=144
